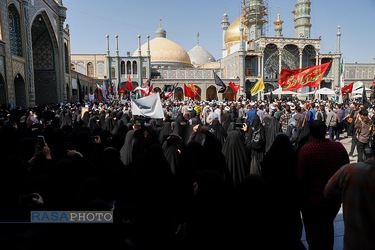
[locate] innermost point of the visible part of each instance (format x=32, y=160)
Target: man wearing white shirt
x=217, y=110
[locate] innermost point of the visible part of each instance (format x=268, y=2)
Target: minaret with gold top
x=278, y=26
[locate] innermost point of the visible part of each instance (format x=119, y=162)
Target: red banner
x=190, y=90
x=129, y=85
x=293, y=79
x=121, y=91
x=347, y=89
x=234, y=86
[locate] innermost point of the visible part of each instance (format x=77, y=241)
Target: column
x=317, y=59
x=109, y=61
x=29, y=66
x=118, y=69
x=241, y=65
x=259, y=63
x=300, y=51
x=60, y=79
x=280, y=59
x=139, y=62
x=262, y=64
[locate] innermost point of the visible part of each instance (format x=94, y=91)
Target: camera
x=239, y=125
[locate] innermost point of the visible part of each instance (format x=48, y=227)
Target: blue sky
x=91, y=20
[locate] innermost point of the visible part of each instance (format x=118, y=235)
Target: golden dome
x=164, y=50
x=232, y=34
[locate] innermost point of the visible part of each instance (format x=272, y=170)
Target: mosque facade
x=34, y=52
x=248, y=54
x=36, y=66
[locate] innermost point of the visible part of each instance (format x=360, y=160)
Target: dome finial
x=198, y=38
x=160, y=32
x=278, y=24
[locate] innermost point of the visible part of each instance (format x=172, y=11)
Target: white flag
x=91, y=97
x=141, y=89
x=104, y=90
x=148, y=106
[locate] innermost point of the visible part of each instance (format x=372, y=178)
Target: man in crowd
x=318, y=160
x=355, y=184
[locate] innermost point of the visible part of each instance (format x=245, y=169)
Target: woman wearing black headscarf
x=109, y=122
x=118, y=122
x=94, y=122
x=181, y=127
x=226, y=118
x=86, y=118
x=235, y=156
x=172, y=147
x=133, y=149
x=65, y=118
x=279, y=169
x=195, y=132
x=272, y=128
x=102, y=115
x=165, y=131
x=217, y=130
x=257, y=154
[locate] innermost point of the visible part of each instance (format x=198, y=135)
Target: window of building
x=15, y=31
x=90, y=69
x=122, y=68
x=113, y=72
x=135, y=68
x=128, y=68
x=66, y=55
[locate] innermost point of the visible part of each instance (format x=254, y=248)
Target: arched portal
x=248, y=86
x=3, y=96
x=229, y=94
x=69, y=95
x=289, y=60
x=211, y=93
x=44, y=46
x=179, y=93
x=20, y=91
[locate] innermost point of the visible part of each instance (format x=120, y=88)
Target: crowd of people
x=232, y=174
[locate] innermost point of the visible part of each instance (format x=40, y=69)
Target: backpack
x=257, y=140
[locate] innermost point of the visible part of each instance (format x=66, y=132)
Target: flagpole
x=342, y=82
x=313, y=97
x=269, y=98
